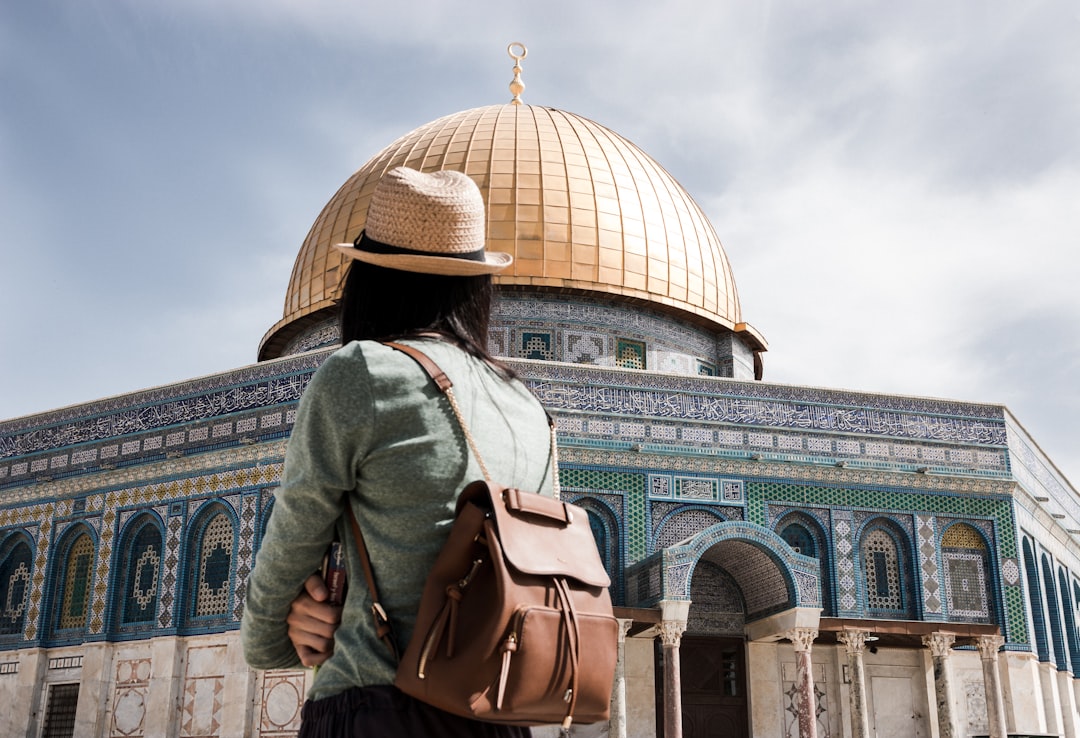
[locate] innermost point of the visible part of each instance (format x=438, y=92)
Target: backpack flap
x=542, y=535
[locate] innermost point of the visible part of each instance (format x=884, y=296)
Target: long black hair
x=388, y=304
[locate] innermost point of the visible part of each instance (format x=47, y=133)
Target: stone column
x=670, y=636
x=802, y=639
x=617, y=723
x=995, y=700
x=855, y=645
x=940, y=645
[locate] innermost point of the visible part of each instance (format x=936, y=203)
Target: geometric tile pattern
x=575, y=319
x=173, y=537
x=631, y=486
x=881, y=571
x=844, y=542
x=536, y=345
x=927, y=551
x=245, y=558
x=992, y=512
x=770, y=575
x=965, y=584
x=707, y=427
x=717, y=606
x=684, y=524
x=117, y=506
x=215, y=563
x=629, y=354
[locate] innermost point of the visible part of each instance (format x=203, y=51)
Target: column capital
x=802, y=639
x=940, y=644
x=989, y=645
x=671, y=632
x=624, y=627
x=854, y=640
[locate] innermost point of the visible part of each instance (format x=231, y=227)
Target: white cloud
x=895, y=184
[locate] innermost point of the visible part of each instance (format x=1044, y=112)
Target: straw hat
x=430, y=223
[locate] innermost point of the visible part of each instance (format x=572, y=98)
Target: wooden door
x=714, y=699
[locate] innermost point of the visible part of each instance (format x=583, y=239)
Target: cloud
x=894, y=184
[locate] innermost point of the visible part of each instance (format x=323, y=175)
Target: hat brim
x=451, y=266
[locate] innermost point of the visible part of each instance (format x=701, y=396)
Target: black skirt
x=383, y=711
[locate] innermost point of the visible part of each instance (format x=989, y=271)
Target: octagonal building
x=785, y=560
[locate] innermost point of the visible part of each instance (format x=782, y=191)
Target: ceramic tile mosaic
x=927, y=555
x=536, y=345
x=683, y=524
x=96, y=427
x=717, y=606
x=966, y=585
x=770, y=575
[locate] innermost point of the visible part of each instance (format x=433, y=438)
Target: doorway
x=714, y=698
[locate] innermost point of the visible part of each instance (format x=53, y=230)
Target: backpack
x=515, y=624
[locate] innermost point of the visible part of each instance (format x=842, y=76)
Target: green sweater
x=373, y=429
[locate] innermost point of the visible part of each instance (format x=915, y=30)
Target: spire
x=517, y=52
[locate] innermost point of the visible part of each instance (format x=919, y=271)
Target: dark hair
x=387, y=304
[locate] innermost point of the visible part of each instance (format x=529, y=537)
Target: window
x=60, y=711
x=800, y=540
x=138, y=580
x=884, y=567
x=1067, y=611
x=965, y=558
x=1052, y=609
x=807, y=537
x=1038, y=620
x=630, y=354
x=212, y=574
x=75, y=592
x=16, y=565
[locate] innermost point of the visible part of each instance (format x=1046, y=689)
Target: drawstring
x=573, y=636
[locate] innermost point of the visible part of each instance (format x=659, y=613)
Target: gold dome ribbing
x=577, y=205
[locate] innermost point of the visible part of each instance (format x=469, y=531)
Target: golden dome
x=578, y=206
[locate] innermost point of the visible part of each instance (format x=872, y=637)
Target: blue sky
x=897, y=186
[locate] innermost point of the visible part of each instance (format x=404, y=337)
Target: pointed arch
x=1035, y=602
x=769, y=574
x=1053, y=611
x=605, y=528
x=72, y=582
x=807, y=536
x=16, y=572
x=717, y=606
x=211, y=546
x=1067, y=610
x=965, y=555
x=137, y=585
x=885, y=565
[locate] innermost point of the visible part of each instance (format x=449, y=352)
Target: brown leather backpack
x=515, y=623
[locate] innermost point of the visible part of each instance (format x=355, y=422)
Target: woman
x=372, y=431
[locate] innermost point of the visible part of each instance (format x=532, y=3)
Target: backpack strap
x=447, y=388
x=383, y=628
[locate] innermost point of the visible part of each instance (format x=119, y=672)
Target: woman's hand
x=312, y=622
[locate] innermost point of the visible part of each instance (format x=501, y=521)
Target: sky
x=896, y=185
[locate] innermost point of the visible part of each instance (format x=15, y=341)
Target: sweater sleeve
x=328, y=441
